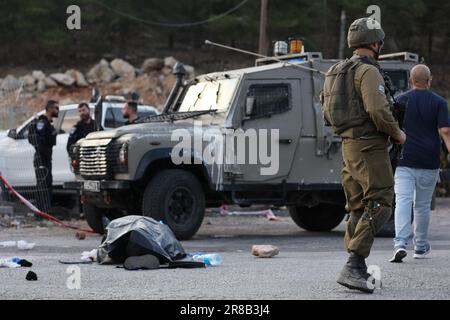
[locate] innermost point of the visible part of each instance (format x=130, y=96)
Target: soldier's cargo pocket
x=378, y=166
x=373, y=223
x=380, y=218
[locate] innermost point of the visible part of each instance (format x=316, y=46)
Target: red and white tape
x=35, y=210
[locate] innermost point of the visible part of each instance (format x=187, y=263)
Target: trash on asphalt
x=89, y=256
x=209, y=259
x=25, y=263
x=21, y=245
x=80, y=235
x=9, y=263
x=134, y=236
x=265, y=251
x=267, y=213
x=31, y=276
x=8, y=244
x=14, y=262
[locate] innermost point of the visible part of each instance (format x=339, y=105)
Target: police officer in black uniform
x=129, y=112
x=42, y=135
x=83, y=127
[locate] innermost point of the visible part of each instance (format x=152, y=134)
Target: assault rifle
x=398, y=111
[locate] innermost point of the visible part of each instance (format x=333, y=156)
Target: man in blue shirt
x=426, y=120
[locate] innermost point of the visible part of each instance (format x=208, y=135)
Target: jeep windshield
x=209, y=94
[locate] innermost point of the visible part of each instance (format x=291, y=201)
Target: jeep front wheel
x=176, y=197
x=323, y=217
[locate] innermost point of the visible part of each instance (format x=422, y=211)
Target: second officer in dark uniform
x=129, y=112
x=42, y=135
x=83, y=127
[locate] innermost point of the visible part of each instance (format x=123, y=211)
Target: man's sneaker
x=421, y=254
x=398, y=256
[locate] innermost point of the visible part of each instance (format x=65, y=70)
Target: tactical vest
x=342, y=106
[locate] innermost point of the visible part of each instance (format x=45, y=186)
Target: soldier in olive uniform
x=356, y=103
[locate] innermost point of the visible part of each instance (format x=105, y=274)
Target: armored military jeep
x=245, y=137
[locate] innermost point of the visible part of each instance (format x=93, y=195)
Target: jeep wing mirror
x=12, y=133
x=249, y=104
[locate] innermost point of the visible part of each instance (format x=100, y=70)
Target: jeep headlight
x=75, y=157
x=123, y=154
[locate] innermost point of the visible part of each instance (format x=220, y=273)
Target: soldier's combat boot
x=375, y=282
x=354, y=274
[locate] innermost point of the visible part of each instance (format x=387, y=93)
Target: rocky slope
x=153, y=80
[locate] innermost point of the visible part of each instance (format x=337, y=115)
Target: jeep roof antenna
x=263, y=56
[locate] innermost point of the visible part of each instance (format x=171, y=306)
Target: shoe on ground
x=146, y=262
x=421, y=254
x=398, y=256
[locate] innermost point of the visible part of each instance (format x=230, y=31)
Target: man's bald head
x=421, y=77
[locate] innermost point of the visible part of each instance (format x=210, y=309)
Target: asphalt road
x=306, y=267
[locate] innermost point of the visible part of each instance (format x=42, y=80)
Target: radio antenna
x=262, y=56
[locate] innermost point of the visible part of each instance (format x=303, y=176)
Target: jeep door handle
x=285, y=141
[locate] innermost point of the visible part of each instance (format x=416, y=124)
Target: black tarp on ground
x=138, y=235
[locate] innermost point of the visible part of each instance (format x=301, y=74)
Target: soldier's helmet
x=363, y=32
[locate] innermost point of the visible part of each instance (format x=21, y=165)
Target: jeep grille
x=100, y=162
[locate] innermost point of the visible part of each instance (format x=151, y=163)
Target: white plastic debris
x=7, y=263
x=8, y=244
x=89, y=255
x=23, y=245
x=267, y=213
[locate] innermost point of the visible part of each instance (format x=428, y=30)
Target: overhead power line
x=173, y=25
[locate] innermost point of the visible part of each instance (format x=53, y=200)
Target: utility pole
x=342, y=36
x=325, y=26
x=263, y=28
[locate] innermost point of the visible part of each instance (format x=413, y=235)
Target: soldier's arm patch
x=381, y=88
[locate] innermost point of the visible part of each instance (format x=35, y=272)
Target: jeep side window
x=268, y=99
x=114, y=118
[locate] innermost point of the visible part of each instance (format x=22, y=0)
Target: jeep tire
x=175, y=197
x=324, y=217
